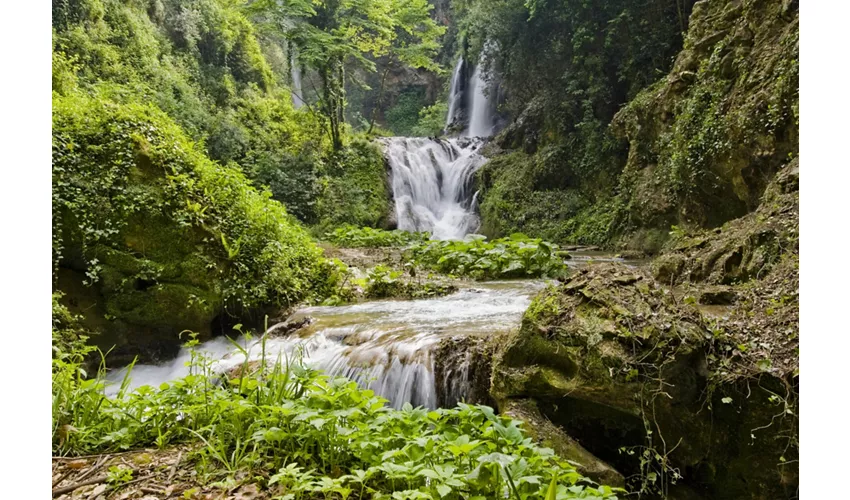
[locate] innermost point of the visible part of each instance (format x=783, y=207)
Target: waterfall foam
x=388, y=346
x=431, y=180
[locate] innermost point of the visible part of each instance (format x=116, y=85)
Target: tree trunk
x=333, y=78
x=380, y=96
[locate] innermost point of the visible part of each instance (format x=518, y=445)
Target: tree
x=332, y=33
x=416, y=43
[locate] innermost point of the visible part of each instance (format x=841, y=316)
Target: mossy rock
x=610, y=353
x=157, y=239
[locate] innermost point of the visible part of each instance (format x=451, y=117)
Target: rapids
x=388, y=346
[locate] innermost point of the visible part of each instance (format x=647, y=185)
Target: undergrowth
x=304, y=435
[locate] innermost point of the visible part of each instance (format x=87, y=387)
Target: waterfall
x=295, y=73
x=431, y=181
x=482, y=104
x=481, y=114
x=455, y=90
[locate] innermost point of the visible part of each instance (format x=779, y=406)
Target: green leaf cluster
x=128, y=183
x=517, y=256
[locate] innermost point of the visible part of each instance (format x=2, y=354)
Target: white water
x=387, y=346
x=481, y=115
x=295, y=72
x=455, y=90
x=431, y=180
x=482, y=103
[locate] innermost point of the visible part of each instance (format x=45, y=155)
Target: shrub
x=355, y=188
x=383, y=282
x=136, y=202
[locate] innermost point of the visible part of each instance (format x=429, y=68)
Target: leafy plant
x=316, y=436
x=514, y=257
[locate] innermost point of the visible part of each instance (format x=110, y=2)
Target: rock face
x=705, y=141
x=743, y=249
x=650, y=387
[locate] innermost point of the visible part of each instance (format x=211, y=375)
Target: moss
x=610, y=351
x=705, y=141
x=167, y=237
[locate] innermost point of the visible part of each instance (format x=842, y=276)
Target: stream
x=389, y=346
x=392, y=346
x=385, y=345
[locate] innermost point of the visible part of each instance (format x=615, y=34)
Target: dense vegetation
x=355, y=237
x=304, y=435
x=605, y=147
x=188, y=188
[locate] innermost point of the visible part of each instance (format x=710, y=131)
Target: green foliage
x=384, y=282
x=129, y=185
x=336, y=37
x=528, y=193
x=355, y=189
x=403, y=116
x=515, y=257
x=201, y=62
x=432, y=120
x=566, y=68
x=313, y=435
x=356, y=237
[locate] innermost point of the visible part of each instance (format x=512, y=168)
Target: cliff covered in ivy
x=626, y=120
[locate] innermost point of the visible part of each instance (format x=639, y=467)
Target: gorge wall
x=600, y=151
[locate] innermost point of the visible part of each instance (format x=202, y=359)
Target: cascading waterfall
x=431, y=180
x=388, y=346
x=455, y=92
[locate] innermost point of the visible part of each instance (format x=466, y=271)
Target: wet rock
x=743, y=249
x=717, y=296
x=286, y=328
x=462, y=370
x=631, y=255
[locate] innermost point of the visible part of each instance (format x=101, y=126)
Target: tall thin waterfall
x=431, y=181
x=295, y=73
x=481, y=114
x=455, y=91
x=483, y=104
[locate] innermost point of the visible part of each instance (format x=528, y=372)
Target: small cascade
x=431, y=180
x=415, y=351
x=482, y=105
x=295, y=74
x=455, y=93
